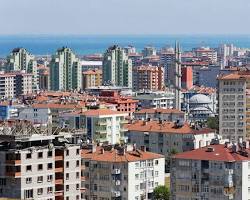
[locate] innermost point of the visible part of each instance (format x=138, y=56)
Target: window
x=67, y=187
x=67, y=176
x=86, y=164
x=67, y=164
x=136, y=176
x=156, y=162
x=77, y=174
x=40, y=154
x=28, y=180
x=67, y=198
x=77, y=151
x=67, y=152
x=136, y=187
x=77, y=163
x=50, y=166
x=49, y=154
x=156, y=173
x=28, y=168
x=2, y=181
x=40, y=191
x=77, y=186
x=28, y=156
x=28, y=193
x=77, y=197
x=40, y=167
x=49, y=178
x=49, y=190
x=40, y=179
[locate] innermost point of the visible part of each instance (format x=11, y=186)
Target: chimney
x=93, y=148
x=134, y=146
x=247, y=144
x=143, y=148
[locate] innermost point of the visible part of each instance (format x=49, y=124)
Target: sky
x=124, y=17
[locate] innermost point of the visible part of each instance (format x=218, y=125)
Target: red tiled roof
x=220, y=153
x=56, y=106
x=113, y=156
x=165, y=127
x=234, y=76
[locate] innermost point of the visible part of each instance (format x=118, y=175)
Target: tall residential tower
x=65, y=70
x=117, y=67
x=21, y=60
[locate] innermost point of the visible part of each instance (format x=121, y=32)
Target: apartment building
x=122, y=103
x=65, y=71
x=122, y=173
x=15, y=84
x=171, y=115
x=155, y=100
x=91, y=78
x=166, y=137
x=206, y=54
x=215, y=172
x=7, y=85
x=21, y=60
x=234, y=105
x=167, y=58
x=117, y=67
x=148, y=78
x=54, y=109
x=38, y=166
x=35, y=114
x=101, y=125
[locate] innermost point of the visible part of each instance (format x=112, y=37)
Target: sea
x=90, y=44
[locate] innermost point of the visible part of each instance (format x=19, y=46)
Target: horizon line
x=127, y=34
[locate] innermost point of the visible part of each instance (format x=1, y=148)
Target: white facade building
x=101, y=125
x=166, y=137
x=36, y=115
x=127, y=174
x=155, y=100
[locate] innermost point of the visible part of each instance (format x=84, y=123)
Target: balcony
x=115, y=193
x=13, y=174
x=101, y=131
x=123, y=129
x=58, y=169
x=117, y=182
x=101, y=123
x=59, y=181
x=116, y=171
x=13, y=162
x=58, y=158
x=124, y=121
x=59, y=193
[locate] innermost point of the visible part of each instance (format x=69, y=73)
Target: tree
x=213, y=123
x=161, y=193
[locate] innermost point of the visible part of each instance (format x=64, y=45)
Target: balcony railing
x=116, y=193
x=116, y=171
